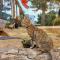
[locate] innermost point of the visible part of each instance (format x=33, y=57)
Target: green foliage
x=48, y=19
x=56, y=21
x=56, y=0
x=39, y=19
x=40, y=4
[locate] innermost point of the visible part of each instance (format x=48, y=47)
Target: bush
x=49, y=19
x=39, y=19
x=56, y=21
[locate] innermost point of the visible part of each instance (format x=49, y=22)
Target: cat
x=39, y=37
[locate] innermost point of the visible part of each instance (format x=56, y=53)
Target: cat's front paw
x=31, y=47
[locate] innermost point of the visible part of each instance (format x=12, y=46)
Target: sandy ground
x=54, y=33
x=15, y=42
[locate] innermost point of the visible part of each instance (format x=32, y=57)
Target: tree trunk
x=43, y=19
x=1, y=8
x=13, y=8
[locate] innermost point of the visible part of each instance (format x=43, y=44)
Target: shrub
x=48, y=19
x=56, y=21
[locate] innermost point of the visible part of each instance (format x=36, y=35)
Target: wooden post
x=13, y=12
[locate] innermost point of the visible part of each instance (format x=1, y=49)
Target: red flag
x=24, y=2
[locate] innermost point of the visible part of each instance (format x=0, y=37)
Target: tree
x=13, y=8
x=56, y=0
x=41, y=4
x=1, y=8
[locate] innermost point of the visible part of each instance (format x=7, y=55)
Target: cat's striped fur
x=39, y=37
